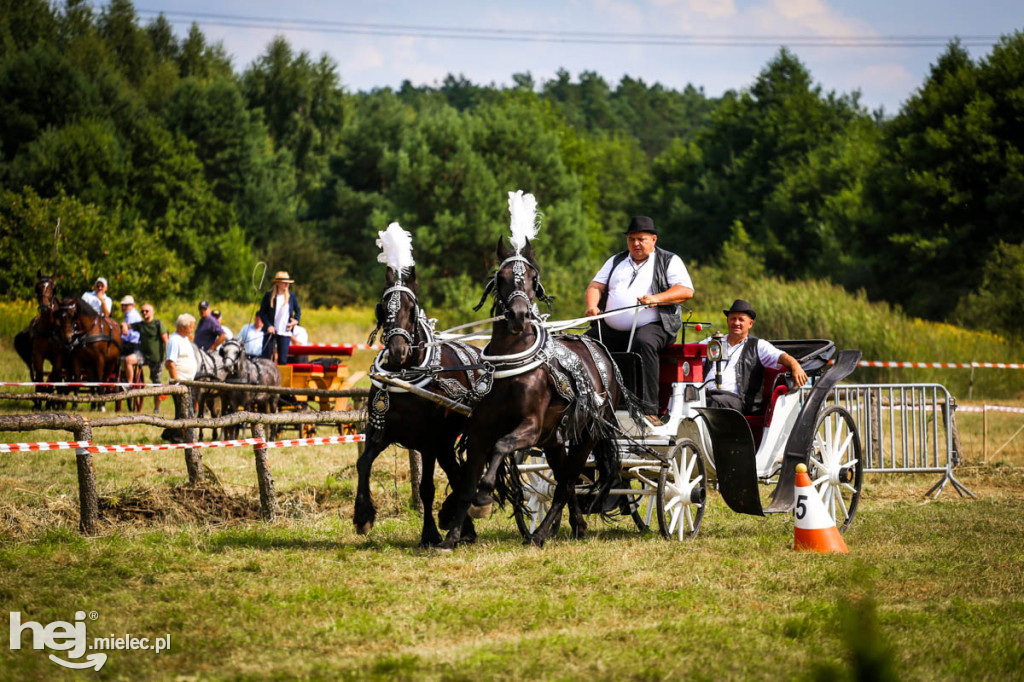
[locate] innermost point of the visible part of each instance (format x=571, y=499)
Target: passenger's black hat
x=203, y=305
x=741, y=306
x=641, y=223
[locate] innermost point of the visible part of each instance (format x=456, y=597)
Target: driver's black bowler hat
x=741, y=306
x=641, y=223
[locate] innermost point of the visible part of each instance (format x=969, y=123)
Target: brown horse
x=38, y=343
x=448, y=369
x=556, y=394
x=92, y=341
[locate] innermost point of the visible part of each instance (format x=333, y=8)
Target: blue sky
x=885, y=76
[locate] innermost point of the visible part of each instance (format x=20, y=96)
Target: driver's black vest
x=671, y=320
x=749, y=376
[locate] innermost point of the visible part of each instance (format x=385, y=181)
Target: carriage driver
x=745, y=357
x=653, y=277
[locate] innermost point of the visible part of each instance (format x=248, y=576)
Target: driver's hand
x=593, y=310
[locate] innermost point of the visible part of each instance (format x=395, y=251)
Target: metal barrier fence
x=905, y=428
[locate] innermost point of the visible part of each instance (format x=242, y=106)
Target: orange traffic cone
x=815, y=529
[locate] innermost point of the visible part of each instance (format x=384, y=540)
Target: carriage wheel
x=682, y=492
x=537, y=487
x=836, y=464
x=642, y=507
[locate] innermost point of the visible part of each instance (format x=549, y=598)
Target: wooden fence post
x=415, y=478
x=268, y=497
x=88, y=498
x=193, y=457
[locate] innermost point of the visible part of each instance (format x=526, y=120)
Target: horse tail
x=607, y=461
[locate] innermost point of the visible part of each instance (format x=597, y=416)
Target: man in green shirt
x=152, y=345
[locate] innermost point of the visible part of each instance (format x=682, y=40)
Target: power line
x=574, y=37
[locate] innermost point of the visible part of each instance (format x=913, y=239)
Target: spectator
x=181, y=358
x=98, y=299
x=153, y=346
x=252, y=337
x=209, y=333
x=228, y=334
x=299, y=338
x=130, y=337
x=280, y=312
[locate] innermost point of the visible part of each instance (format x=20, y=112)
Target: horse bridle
x=46, y=283
x=390, y=328
x=503, y=306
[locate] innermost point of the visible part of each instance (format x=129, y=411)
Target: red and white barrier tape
x=942, y=365
x=989, y=408
x=43, y=447
x=242, y=442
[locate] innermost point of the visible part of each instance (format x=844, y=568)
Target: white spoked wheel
x=538, y=488
x=836, y=464
x=682, y=492
x=642, y=505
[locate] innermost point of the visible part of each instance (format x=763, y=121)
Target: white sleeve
x=605, y=272
x=677, y=273
x=768, y=355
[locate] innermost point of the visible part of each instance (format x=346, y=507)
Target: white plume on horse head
x=525, y=223
x=396, y=249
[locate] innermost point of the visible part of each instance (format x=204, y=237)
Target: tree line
x=129, y=153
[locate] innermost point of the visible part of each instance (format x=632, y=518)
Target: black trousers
x=719, y=398
x=279, y=343
x=647, y=341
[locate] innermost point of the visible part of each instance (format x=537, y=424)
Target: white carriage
x=667, y=470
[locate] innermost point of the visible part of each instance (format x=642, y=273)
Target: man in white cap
x=98, y=299
x=130, y=337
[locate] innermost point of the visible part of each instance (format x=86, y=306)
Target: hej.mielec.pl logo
x=72, y=638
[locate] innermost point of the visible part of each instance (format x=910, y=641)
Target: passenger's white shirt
x=622, y=294
x=228, y=334
x=300, y=336
x=767, y=353
x=93, y=300
x=181, y=353
x=253, y=340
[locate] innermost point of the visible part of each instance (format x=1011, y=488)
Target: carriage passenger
x=745, y=357
x=181, y=361
x=130, y=353
x=98, y=299
x=228, y=334
x=252, y=337
x=652, y=277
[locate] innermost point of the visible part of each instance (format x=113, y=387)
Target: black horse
x=397, y=416
x=556, y=394
x=254, y=372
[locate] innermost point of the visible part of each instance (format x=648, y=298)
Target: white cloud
x=713, y=9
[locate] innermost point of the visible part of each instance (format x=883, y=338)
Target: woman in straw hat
x=280, y=313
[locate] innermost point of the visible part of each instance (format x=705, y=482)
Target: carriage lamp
x=715, y=354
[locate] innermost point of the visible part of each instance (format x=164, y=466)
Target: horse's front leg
x=566, y=468
x=365, y=513
x=524, y=436
x=430, y=536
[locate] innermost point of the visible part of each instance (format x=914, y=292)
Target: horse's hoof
x=468, y=539
x=364, y=528
x=480, y=512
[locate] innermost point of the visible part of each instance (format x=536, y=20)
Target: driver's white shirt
x=767, y=353
x=622, y=294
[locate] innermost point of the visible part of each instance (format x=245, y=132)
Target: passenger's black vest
x=749, y=375
x=671, y=320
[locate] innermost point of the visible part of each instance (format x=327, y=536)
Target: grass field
x=931, y=590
